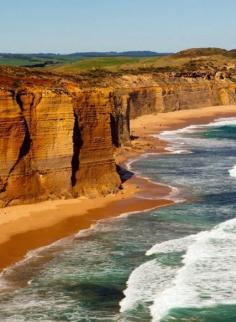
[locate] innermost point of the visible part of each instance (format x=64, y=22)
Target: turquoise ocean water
x=172, y=264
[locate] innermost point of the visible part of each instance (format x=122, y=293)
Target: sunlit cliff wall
x=59, y=143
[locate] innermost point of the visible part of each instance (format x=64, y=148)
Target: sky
x=66, y=26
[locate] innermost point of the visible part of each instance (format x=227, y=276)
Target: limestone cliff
x=146, y=94
x=55, y=145
x=93, y=165
x=57, y=136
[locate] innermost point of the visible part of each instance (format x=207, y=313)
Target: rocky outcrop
x=57, y=136
x=93, y=165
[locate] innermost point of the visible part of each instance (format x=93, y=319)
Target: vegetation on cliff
x=193, y=59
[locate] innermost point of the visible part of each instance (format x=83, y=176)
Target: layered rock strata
x=152, y=94
x=57, y=136
x=55, y=145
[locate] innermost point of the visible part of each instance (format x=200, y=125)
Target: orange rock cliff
x=58, y=135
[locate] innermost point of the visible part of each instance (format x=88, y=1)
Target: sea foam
x=180, y=143
x=232, y=172
x=205, y=277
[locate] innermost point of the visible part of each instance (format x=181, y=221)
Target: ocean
x=176, y=263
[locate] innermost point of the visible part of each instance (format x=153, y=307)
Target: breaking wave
x=196, y=271
x=205, y=276
x=232, y=172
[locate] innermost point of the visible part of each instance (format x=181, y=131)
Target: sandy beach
x=28, y=227
x=143, y=127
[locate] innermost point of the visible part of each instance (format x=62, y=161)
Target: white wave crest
x=174, y=150
x=143, y=283
x=232, y=172
x=179, y=144
x=173, y=245
x=223, y=122
x=207, y=276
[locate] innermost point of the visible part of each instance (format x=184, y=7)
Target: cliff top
x=92, y=70
x=15, y=78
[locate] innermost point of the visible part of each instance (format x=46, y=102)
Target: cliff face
x=58, y=141
x=150, y=94
x=55, y=145
x=93, y=165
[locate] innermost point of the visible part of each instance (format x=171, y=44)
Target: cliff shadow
x=77, y=144
x=134, y=137
x=114, y=124
x=124, y=173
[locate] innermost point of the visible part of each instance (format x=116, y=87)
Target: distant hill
x=232, y=53
x=45, y=59
x=194, y=52
x=120, y=54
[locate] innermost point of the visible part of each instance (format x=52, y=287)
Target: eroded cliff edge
x=58, y=135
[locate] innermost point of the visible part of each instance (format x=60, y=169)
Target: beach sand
x=28, y=227
x=144, y=126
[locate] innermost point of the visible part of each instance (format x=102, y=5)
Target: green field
x=13, y=61
x=192, y=59
x=77, y=61
x=121, y=64
x=31, y=60
x=108, y=63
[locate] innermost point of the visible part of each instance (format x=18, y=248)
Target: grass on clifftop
x=186, y=60
x=113, y=64
x=167, y=63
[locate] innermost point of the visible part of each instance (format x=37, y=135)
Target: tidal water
x=172, y=264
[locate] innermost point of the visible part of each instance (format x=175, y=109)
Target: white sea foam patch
x=145, y=281
x=223, y=122
x=177, y=150
x=206, y=278
x=208, y=274
x=232, y=172
x=176, y=143
x=152, y=278
x=198, y=127
x=180, y=143
x=173, y=245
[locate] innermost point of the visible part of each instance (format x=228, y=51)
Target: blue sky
x=66, y=26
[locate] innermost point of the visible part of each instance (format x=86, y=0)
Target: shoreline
x=28, y=227
x=145, y=126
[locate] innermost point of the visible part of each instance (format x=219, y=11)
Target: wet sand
x=27, y=227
